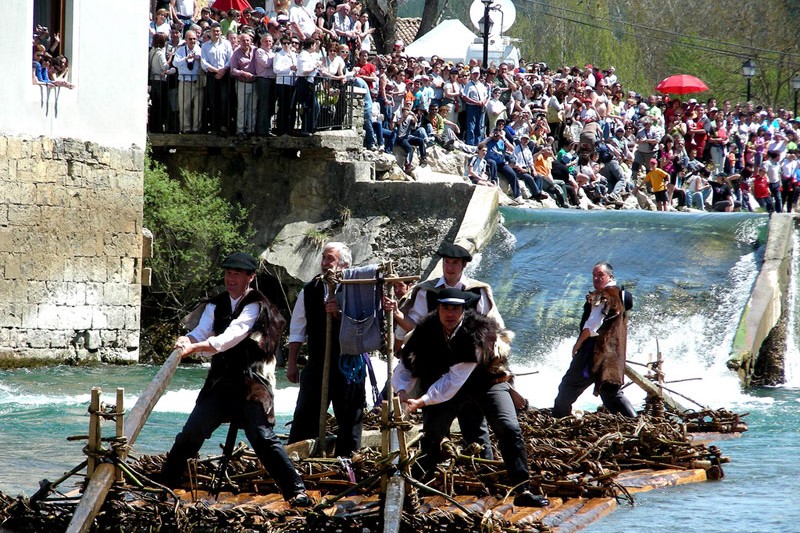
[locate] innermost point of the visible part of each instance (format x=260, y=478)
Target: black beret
x=453, y=251
x=457, y=297
x=241, y=261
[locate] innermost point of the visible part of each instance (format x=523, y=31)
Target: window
x=48, y=23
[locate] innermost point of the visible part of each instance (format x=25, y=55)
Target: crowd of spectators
x=564, y=132
x=50, y=69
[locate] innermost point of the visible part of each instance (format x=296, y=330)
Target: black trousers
x=576, y=380
x=348, y=407
x=218, y=98
x=496, y=405
x=286, y=110
x=207, y=415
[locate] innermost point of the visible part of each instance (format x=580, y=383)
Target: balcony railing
x=204, y=105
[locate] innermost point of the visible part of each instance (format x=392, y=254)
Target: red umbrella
x=227, y=5
x=681, y=84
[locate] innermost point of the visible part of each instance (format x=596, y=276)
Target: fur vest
x=247, y=370
x=429, y=354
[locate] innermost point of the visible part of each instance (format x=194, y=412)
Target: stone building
x=71, y=166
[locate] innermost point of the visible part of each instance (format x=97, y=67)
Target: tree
x=193, y=228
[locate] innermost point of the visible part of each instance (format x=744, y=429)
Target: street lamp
x=749, y=70
x=486, y=25
x=796, y=87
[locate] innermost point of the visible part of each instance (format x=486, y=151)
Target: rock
x=297, y=248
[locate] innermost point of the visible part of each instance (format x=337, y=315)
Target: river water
x=690, y=275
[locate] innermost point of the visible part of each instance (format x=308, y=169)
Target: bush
x=193, y=227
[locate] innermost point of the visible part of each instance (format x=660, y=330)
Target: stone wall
x=70, y=250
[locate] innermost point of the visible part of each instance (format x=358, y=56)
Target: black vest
x=428, y=354
x=316, y=321
x=229, y=368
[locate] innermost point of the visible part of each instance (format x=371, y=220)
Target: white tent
x=449, y=40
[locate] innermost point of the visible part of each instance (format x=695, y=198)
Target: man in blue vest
x=240, y=328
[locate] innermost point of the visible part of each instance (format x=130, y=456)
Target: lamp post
x=796, y=87
x=486, y=25
x=749, y=70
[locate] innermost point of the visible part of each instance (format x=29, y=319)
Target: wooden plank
x=651, y=388
x=98, y=486
x=592, y=511
x=647, y=480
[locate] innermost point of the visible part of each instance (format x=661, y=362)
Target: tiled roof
x=406, y=29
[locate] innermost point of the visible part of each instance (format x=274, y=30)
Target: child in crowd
x=658, y=179
x=476, y=167
x=761, y=189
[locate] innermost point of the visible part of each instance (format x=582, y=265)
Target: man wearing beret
x=240, y=329
x=451, y=355
x=425, y=300
x=308, y=325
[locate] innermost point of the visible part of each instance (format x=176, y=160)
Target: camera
x=190, y=63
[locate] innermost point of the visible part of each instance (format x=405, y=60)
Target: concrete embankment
x=758, y=346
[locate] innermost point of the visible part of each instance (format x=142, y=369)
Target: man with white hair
x=308, y=325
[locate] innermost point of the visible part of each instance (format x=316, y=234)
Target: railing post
x=94, y=430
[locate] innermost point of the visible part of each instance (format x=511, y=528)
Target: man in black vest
x=451, y=355
x=474, y=428
x=309, y=325
x=241, y=329
x=580, y=374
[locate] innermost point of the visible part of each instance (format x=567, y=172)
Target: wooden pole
x=389, y=273
x=120, y=432
x=94, y=430
x=330, y=277
x=98, y=486
x=651, y=388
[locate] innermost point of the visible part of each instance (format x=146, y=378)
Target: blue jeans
x=534, y=183
x=493, y=168
x=369, y=133
x=384, y=136
x=408, y=143
x=697, y=200
x=775, y=191
x=475, y=124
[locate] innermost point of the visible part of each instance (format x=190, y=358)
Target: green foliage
x=193, y=227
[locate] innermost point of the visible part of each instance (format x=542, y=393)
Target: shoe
x=527, y=499
x=301, y=500
x=519, y=199
x=408, y=169
x=423, y=163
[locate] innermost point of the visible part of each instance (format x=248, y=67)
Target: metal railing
x=205, y=105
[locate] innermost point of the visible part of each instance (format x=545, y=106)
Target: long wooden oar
x=98, y=486
x=326, y=366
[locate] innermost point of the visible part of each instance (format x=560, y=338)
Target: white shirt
x=420, y=308
x=596, y=317
x=307, y=65
x=299, y=322
x=443, y=388
x=236, y=332
x=216, y=55
x=179, y=61
x=304, y=19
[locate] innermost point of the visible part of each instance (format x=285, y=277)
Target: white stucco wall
x=108, y=56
